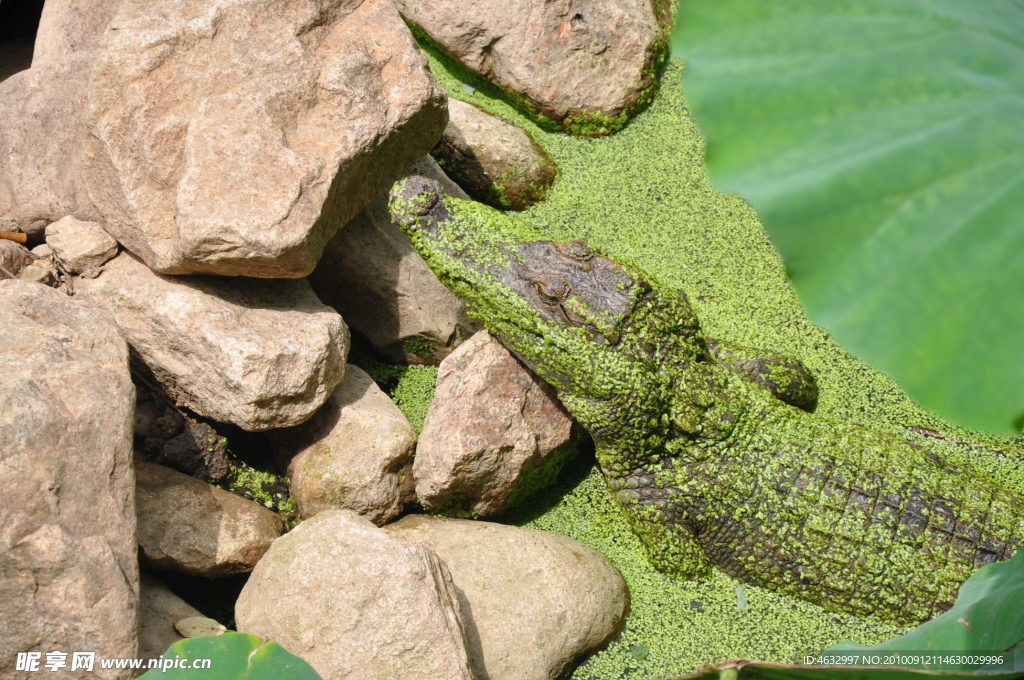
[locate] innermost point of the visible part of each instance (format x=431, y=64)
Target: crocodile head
x=571, y=314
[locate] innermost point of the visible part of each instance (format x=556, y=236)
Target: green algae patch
x=410, y=387
x=642, y=197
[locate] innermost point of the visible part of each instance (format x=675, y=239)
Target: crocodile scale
x=714, y=450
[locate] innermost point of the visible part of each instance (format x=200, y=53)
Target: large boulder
x=41, y=130
x=357, y=603
x=193, y=527
x=584, y=64
x=385, y=291
x=495, y=161
x=355, y=453
x=207, y=155
x=538, y=601
x=253, y=353
x=68, y=565
x=494, y=432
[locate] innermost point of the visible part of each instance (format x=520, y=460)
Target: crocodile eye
x=579, y=251
x=551, y=289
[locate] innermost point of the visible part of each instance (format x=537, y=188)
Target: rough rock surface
x=41, y=130
x=581, y=63
x=69, y=26
x=355, y=453
x=13, y=258
x=68, y=566
x=495, y=161
x=159, y=610
x=257, y=354
x=385, y=291
x=493, y=431
x=357, y=603
x=196, y=528
x=42, y=270
x=538, y=601
x=209, y=156
x=80, y=245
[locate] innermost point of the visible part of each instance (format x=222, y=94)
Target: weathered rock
x=584, y=64
x=355, y=453
x=70, y=26
x=13, y=258
x=41, y=131
x=385, y=291
x=357, y=603
x=209, y=156
x=43, y=250
x=41, y=271
x=538, y=601
x=80, y=245
x=257, y=354
x=196, y=528
x=68, y=566
x=493, y=432
x=159, y=610
x=495, y=161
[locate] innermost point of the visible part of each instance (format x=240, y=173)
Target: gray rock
x=196, y=528
x=493, y=160
x=385, y=291
x=357, y=603
x=537, y=601
x=355, y=453
x=159, y=610
x=494, y=432
x=584, y=64
x=80, y=245
x=208, y=156
x=257, y=354
x=68, y=566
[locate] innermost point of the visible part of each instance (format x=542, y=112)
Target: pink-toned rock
x=69, y=26
x=355, y=453
x=80, y=245
x=493, y=432
x=254, y=353
x=385, y=291
x=68, y=558
x=538, y=601
x=41, y=129
x=236, y=136
x=585, y=64
x=196, y=528
x=357, y=603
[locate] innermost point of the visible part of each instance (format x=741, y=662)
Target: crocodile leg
x=785, y=377
x=655, y=515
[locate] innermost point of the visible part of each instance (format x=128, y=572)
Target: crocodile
x=714, y=454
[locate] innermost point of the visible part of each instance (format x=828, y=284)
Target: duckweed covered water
x=642, y=196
